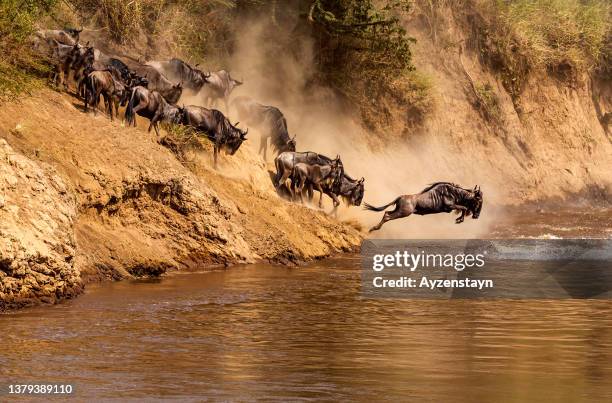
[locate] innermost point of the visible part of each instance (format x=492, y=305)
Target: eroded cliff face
x=121, y=205
x=552, y=142
x=37, y=242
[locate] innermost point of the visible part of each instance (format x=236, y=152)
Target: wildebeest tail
x=279, y=174
x=90, y=91
x=381, y=208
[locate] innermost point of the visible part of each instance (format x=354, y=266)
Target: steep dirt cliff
x=127, y=207
x=37, y=241
x=547, y=142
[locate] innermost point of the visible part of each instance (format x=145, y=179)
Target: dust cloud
x=276, y=72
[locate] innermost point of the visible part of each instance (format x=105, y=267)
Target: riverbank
x=110, y=203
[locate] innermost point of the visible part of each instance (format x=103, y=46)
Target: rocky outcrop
x=37, y=244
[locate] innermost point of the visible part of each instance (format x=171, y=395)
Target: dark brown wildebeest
x=157, y=81
x=130, y=78
x=439, y=197
x=216, y=127
x=219, y=85
x=316, y=176
x=351, y=191
x=151, y=105
x=269, y=120
x=179, y=71
x=108, y=84
x=285, y=162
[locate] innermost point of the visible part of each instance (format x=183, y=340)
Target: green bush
x=20, y=66
x=566, y=37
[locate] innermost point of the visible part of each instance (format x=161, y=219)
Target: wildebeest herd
x=153, y=89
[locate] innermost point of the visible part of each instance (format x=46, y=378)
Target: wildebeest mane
x=433, y=185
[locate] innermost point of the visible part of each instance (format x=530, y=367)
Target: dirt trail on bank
x=139, y=211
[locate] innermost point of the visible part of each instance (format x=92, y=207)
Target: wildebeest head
x=235, y=139
x=199, y=77
x=174, y=114
x=291, y=145
x=356, y=195
x=174, y=93
x=73, y=32
x=233, y=82
x=477, y=202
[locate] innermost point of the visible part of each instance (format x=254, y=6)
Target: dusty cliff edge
x=84, y=199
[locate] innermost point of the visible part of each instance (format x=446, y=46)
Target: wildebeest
x=269, y=120
x=350, y=190
x=219, y=85
x=179, y=71
x=286, y=161
x=316, y=176
x=108, y=84
x=67, y=36
x=439, y=197
x=151, y=105
x=157, y=81
x=62, y=57
x=216, y=127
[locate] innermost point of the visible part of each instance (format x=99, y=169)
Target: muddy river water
x=278, y=333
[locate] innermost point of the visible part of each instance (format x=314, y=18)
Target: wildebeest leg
x=320, y=190
x=300, y=188
x=108, y=105
x=116, y=102
x=153, y=123
x=463, y=210
x=336, y=204
x=400, y=211
x=215, y=154
x=263, y=145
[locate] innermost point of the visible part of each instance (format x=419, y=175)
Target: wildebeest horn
x=236, y=124
x=361, y=180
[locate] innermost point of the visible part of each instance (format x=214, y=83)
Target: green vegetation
x=364, y=53
x=20, y=68
x=565, y=37
x=487, y=102
x=183, y=141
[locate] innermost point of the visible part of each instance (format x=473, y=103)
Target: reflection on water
x=305, y=333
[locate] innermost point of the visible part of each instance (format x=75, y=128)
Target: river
x=305, y=333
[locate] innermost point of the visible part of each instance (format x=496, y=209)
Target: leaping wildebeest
x=269, y=120
x=216, y=127
x=151, y=105
x=219, y=85
x=439, y=197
